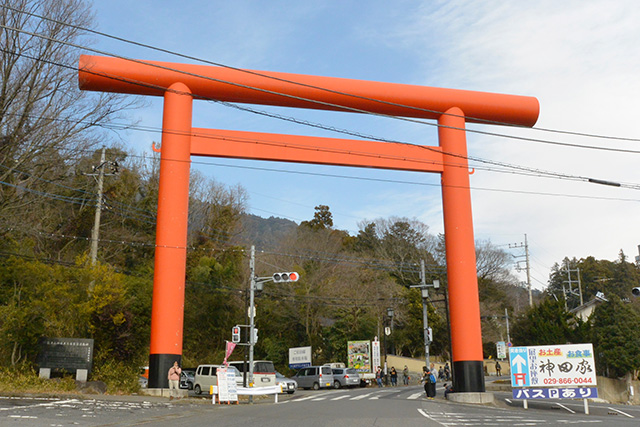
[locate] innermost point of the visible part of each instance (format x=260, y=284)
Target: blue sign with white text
x=556, y=393
x=519, y=362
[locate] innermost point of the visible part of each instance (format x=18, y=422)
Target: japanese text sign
x=553, y=366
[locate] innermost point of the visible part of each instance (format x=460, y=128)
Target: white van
x=264, y=373
x=206, y=377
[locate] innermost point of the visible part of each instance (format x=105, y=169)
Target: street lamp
x=387, y=331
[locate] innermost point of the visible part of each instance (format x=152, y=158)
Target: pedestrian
x=447, y=390
x=498, y=368
x=447, y=372
x=429, y=381
x=432, y=385
x=405, y=375
x=379, y=377
x=174, y=378
x=394, y=377
x=441, y=373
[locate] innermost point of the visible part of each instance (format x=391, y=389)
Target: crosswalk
x=356, y=395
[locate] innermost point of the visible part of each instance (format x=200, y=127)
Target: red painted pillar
x=167, y=311
x=464, y=304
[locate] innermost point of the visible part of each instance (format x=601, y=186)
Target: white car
x=288, y=385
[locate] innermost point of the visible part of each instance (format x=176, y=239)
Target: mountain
x=264, y=232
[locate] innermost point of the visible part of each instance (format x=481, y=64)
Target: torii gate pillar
x=167, y=309
x=464, y=313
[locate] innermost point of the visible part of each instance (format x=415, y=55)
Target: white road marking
x=564, y=407
x=415, y=396
x=60, y=403
x=313, y=396
x=424, y=414
x=362, y=396
x=341, y=397
x=620, y=412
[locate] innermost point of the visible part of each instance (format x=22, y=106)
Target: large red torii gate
x=179, y=84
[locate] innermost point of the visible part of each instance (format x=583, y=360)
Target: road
x=401, y=406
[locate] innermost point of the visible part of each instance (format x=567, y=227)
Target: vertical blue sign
x=519, y=362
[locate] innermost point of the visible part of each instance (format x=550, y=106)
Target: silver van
x=314, y=377
x=205, y=377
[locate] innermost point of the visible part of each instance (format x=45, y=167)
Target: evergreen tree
x=616, y=338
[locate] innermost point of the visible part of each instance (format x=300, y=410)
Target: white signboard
x=501, y=349
x=299, y=357
x=375, y=354
x=553, y=366
x=227, y=387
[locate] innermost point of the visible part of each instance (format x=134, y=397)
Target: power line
x=565, y=176
x=174, y=53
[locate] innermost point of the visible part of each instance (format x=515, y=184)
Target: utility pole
x=252, y=308
x=506, y=316
x=525, y=245
x=425, y=296
x=95, y=232
x=571, y=291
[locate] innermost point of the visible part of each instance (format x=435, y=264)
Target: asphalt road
x=400, y=406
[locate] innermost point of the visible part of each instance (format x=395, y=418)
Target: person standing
x=379, y=377
x=394, y=377
x=432, y=385
x=174, y=379
x=498, y=369
x=405, y=375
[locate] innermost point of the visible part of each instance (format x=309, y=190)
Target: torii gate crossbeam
x=180, y=84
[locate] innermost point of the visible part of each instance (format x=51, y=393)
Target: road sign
x=299, y=357
x=553, y=366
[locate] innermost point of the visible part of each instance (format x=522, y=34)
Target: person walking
x=498, y=369
x=174, y=378
x=447, y=372
x=405, y=375
x=394, y=377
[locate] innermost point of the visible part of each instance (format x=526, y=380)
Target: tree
x=322, y=219
x=616, y=338
x=45, y=120
x=546, y=323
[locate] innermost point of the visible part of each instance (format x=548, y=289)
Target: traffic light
x=286, y=277
x=235, y=334
x=635, y=292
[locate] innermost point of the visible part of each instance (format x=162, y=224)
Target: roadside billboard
x=553, y=371
x=359, y=355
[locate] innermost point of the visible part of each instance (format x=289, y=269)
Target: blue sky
x=580, y=59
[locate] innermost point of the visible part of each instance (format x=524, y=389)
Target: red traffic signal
x=235, y=334
x=286, y=277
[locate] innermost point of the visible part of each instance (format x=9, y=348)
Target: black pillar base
x=159, y=365
x=468, y=376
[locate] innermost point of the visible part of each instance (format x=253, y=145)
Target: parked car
x=187, y=379
x=288, y=385
x=314, y=377
x=205, y=377
x=345, y=377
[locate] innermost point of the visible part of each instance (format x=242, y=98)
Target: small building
x=586, y=309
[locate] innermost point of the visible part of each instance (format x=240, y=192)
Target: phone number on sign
x=554, y=381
